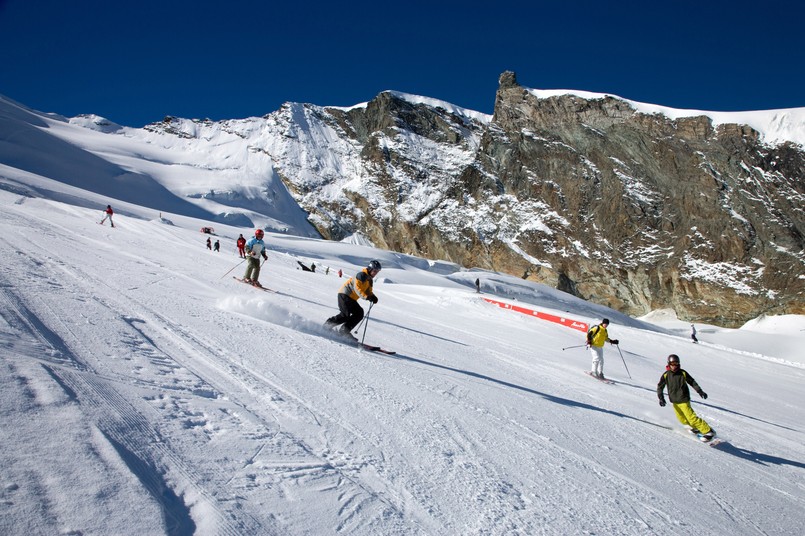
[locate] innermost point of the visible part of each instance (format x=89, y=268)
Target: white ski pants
x=598, y=359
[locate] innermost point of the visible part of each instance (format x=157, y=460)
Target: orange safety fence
x=567, y=322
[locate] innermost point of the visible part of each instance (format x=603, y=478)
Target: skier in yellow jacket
x=351, y=291
x=596, y=338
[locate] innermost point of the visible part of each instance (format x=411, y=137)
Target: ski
x=602, y=380
x=350, y=339
x=376, y=349
x=254, y=286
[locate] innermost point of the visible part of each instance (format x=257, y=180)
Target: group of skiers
x=675, y=379
x=350, y=314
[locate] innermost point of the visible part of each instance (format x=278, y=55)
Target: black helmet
x=374, y=265
x=673, y=358
x=605, y=321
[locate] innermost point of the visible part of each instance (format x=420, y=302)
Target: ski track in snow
x=215, y=409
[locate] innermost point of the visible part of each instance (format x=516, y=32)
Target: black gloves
x=703, y=394
x=372, y=298
x=613, y=341
x=662, y=402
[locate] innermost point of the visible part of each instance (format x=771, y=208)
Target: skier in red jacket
x=241, y=247
x=108, y=214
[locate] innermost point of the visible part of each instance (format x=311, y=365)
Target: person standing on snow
x=596, y=338
x=255, y=248
x=216, y=246
x=693, y=334
x=677, y=380
x=351, y=313
x=108, y=214
x=241, y=247
x=209, y=244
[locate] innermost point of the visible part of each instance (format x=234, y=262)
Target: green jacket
x=677, y=383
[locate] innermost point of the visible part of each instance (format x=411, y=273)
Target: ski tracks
x=202, y=396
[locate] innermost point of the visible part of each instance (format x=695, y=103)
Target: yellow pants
x=687, y=416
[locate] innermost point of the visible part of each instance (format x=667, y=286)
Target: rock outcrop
x=634, y=210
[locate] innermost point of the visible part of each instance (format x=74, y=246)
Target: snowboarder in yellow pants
x=677, y=381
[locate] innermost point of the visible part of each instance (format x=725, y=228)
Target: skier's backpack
x=592, y=333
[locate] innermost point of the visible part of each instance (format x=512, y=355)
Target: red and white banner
x=567, y=322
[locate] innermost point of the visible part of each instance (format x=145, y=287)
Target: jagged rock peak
x=508, y=79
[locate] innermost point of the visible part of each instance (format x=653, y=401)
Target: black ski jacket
x=677, y=383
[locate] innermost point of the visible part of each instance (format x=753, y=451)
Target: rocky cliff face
x=633, y=210
x=708, y=221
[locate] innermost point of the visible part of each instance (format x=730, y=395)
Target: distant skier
x=351, y=291
x=596, y=338
x=241, y=246
x=677, y=381
x=478, y=286
x=216, y=246
x=693, y=334
x=340, y=273
x=108, y=214
x=209, y=244
x=255, y=248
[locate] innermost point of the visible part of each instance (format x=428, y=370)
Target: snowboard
x=700, y=437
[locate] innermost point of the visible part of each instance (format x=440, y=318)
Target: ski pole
x=635, y=354
x=358, y=327
x=366, y=325
x=238, y=264
x=569, y=347
x=624, y=361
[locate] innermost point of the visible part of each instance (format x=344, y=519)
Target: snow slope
x=144, y=391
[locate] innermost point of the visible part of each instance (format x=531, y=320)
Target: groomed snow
x=144, y=391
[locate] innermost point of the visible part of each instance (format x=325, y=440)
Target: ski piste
x=236, y=278
x=602, y=380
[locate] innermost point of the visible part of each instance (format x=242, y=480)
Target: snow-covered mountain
x=631, y=205
x=144, y=391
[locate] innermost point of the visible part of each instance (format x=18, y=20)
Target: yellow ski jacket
x=359, y=286
x=597, y=336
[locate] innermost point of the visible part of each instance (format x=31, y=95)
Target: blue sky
x=136, y=62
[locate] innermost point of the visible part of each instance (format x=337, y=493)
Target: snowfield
x=145, y=391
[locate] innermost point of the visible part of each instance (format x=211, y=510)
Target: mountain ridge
x=632, y=209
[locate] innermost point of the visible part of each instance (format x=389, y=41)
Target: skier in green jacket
x=677, y=381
